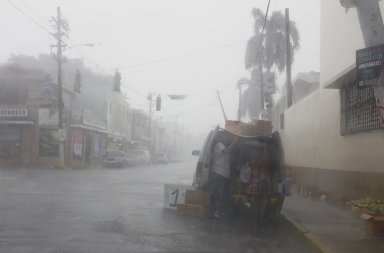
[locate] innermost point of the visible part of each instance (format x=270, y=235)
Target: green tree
x=263, y=52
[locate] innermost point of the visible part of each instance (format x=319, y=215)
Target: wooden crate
x=193, y=210
x=374, y=224
x=197, y=197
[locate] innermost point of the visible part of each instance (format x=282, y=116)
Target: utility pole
x=60, y=86
x=149, y=120
x=239, y=110
x=288, y=57
x=175, y=137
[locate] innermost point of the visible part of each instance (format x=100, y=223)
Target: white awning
x=90, y=128
x=16, y=122
x=345, y=77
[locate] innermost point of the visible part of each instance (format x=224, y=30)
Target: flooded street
x=119, y=210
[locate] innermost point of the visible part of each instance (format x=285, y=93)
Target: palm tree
x=265, y=51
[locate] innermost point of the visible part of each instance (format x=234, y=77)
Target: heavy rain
x=191, y=126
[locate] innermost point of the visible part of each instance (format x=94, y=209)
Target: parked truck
x=256, y=147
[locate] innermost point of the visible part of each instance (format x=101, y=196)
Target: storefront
x=87, y=146
x=16, y=137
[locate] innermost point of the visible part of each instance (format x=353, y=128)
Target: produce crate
x=355, y=211
x=193, y=210
x=197, y=197
x=374, y=224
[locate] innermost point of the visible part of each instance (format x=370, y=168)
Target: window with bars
x=358, y=110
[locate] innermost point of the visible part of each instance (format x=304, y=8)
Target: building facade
x=96, y=119
x=332, y=138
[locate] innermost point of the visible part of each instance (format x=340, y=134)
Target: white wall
x=312, y=137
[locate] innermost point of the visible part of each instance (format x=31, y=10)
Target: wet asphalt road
x=119, y=210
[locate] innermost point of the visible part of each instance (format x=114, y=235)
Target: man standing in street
x=220, y=176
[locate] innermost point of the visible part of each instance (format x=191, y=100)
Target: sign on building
x=13, y=112
x=369, y=65
x=48, y=117
x=77, y=141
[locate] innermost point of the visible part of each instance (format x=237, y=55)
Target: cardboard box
x=197, y=197
x=374, y=224
x=193, y=210
x=255, y=128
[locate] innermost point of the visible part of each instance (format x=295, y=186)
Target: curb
x=308, y=235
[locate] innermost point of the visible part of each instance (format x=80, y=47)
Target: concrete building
x=28, y=116
x=119, y=118
x=333, y=138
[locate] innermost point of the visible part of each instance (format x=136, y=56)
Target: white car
x=160, y=158
x=138, y=157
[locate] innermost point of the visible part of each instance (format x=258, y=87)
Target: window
x=358, y=110
x=9, y=141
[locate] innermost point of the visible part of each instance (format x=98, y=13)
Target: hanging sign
x=77, y=141
x=369, y=66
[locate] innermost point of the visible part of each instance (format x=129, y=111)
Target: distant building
x=303, y=85
x=28, y=116
x=96, y=119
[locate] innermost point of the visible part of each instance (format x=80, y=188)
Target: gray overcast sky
x=129, y=32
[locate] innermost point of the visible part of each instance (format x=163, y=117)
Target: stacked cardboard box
x=255, y=128
x=196, y=203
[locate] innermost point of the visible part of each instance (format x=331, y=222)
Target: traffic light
x=268, y=100
x=117, y=81
x=77, y=86
x=158, y=103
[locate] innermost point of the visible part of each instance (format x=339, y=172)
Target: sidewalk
x=329, y=228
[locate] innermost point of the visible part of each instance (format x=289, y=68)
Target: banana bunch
x=369, y=203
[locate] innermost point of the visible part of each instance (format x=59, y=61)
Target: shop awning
x=16, y=122
x=90, y=128
x=342, y=79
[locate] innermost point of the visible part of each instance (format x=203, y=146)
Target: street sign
x=61, y=135
x=369, y=65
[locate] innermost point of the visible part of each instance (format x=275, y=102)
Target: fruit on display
x=370, y=204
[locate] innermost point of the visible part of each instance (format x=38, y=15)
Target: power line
x=261, y=38
x=42, y=18
x=181, y=55
x=30, y=18
x=262, y=30
x=194, y=110
x=37, y=13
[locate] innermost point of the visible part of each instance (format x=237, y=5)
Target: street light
x=82, y=44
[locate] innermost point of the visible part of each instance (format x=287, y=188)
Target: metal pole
x=288, y=58
x=60, y=95
x=149, y=121
x=175, y=141
x=261, y=88
x=221, y=104
x=239, y=112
